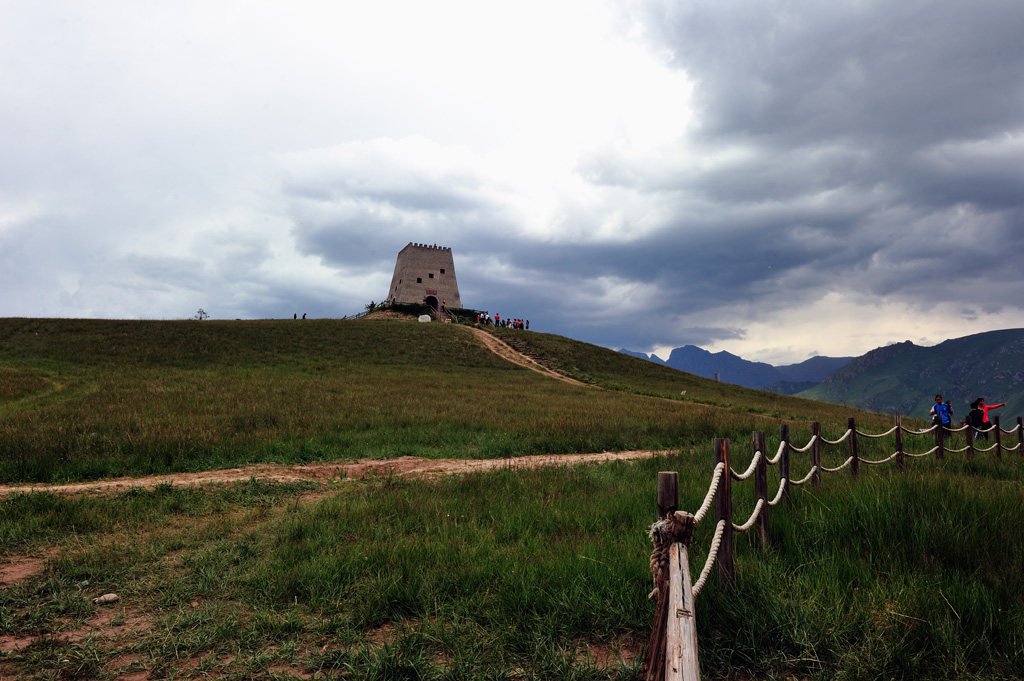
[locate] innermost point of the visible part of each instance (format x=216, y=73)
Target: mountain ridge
x=725, y=366
x=900, y=378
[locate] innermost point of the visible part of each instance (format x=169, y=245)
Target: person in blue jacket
x=941, y=413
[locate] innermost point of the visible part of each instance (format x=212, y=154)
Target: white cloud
x=635, y=173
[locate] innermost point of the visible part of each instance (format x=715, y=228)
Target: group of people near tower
x=498, y=322
x=942, y=415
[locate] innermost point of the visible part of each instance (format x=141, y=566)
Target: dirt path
x=508, y=353
x=348, y=470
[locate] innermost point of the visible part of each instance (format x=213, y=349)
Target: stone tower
x=425, y=274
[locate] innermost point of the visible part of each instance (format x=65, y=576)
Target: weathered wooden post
x=723, y=511
x=970, y=441
x=761, y=488
x=784, y=463
x=668, y=503
x=816, y=454
x=940, y=437
x=899, y=442
x=668, y=493
x=672, y=648
x=681, y=663
x=999, y=439
x=1020, y=436
x=851, y=424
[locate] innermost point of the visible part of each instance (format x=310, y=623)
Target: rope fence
x=672, y=648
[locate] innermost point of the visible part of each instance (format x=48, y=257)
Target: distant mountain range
x=902, y=378
x=725, y=366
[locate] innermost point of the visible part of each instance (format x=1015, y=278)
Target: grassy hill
x=514, y=574
x=87, y=398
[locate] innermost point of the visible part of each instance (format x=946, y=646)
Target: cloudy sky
x=776, y=179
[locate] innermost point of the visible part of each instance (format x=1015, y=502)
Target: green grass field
x=513, y=574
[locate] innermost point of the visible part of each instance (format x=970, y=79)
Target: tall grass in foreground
x=913, y=575
x=522, y=574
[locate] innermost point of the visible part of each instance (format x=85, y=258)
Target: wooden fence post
x=761, y=488
x=851, y=424
x=970, y=441
x=816, y=454
x=784, y=462
x=668, y=493
x=899, y=442
x=672, y=648
x=999, y=440
x=940, y=436
x=723, y=511
x=681, y=663
x=1020, y=436
x=668, y=503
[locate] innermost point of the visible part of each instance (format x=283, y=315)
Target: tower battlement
x=425, y=274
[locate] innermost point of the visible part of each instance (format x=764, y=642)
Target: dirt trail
x=348, y=470
x=507, y=352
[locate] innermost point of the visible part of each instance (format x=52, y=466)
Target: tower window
x=431, y=275
x=419, y=280
x=442, y=270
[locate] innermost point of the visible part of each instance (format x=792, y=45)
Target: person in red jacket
x=985, y=423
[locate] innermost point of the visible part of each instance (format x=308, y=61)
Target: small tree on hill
x=201, y=314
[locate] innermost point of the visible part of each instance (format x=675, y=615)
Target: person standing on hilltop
x=985, y=423
x=940, y=412
x=976, y=420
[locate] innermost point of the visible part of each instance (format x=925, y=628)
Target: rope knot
x=677, y=527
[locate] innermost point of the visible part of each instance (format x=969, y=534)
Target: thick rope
x=752, y=519
x=710, y=496
x=806, y=477
x=838, y=468
x=957, y=451
x=679, y=526
x=806, y=446
x=835, y=442
x=750, y=469
x=930, y=429
x=887, y=433
x=716, y=541
x=880, y=462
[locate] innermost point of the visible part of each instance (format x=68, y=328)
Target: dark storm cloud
x=798, y=72
x=868, y=148
x=356, y=205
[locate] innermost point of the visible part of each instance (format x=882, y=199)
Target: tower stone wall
x=425, y=274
